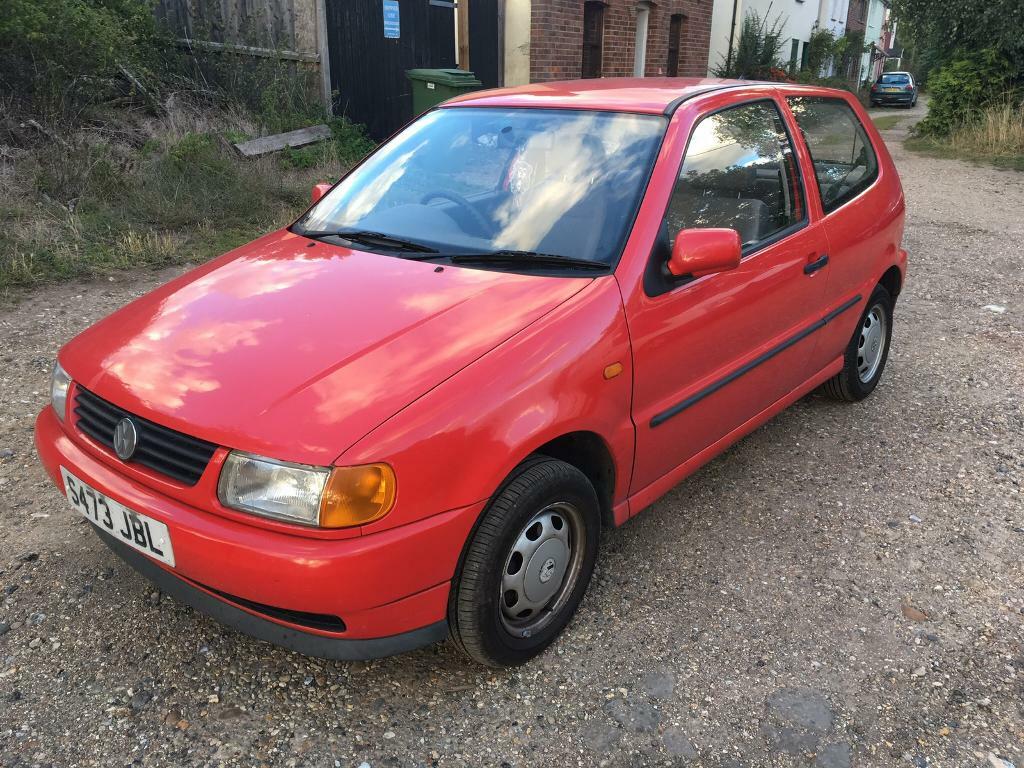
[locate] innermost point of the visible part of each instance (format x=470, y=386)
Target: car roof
x=896, y=72
x=652, y=95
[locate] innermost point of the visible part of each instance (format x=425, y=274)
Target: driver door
x=711, y=353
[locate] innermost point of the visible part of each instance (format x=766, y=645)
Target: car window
x=844, y=160
x=894, y=80
x=472, y=180
x=739, y=172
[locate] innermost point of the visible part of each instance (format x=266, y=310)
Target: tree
x=943, y=30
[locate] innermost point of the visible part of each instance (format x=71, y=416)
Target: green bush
x=58, y=54
x=821, y=49
x=757, y=49
x=963, y=88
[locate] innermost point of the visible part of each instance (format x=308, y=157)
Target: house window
x=794, y=54
x=805, y=56
x=643, y=16
x=675, y=31
x=593, y=38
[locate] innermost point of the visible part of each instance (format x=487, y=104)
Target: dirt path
x=844, y=587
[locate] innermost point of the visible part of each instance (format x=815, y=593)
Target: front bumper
x=254, y=625
x=389, y=589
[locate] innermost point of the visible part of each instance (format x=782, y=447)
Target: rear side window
x=844, y=160
x=739, y=173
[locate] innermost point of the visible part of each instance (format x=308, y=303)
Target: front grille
x=163, y=450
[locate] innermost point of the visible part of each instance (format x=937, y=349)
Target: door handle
x=813, y=266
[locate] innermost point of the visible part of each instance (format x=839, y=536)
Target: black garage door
x=368, y=69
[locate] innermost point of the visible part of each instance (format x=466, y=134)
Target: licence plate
x=135, y=529
x=891, y=90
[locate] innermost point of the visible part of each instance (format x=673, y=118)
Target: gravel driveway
x=843, y=587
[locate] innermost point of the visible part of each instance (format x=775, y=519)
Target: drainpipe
x=732, y=33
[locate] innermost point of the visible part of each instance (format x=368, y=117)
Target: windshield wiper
x=517, y=257
x=366, y=237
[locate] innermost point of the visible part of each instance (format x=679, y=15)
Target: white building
x=801, y=18
x=872, y=60
x=832, y=16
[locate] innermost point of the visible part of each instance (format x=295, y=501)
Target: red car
x=524, y=318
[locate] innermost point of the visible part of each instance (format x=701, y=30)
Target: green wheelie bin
x=432, y=86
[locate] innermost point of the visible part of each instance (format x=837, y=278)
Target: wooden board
x=279, y=141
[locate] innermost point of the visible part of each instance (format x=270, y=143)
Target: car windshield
x=894, y=80
x=480, y=180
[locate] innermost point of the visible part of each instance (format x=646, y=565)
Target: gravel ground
x=843, y=587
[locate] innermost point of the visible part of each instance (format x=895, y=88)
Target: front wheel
x=867, y=351
x=527, y=565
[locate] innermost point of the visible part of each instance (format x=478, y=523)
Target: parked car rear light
x=909, y=88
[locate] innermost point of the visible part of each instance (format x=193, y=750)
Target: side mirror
x=699, y=252
x=319, y=190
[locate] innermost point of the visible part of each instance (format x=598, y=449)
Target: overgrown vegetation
x=116, y=146
x=972, y=53
x=964, y=88
x=760, y=47
x=59, y=56
x=995, y=135
x=756, y=53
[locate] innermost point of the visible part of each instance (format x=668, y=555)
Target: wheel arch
x=590, y=454
x=892, y=281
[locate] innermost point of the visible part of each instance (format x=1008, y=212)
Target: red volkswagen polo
x=525, y=317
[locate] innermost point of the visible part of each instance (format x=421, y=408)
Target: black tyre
x=527, y=564
x=867, y=351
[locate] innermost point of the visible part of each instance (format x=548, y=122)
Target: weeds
x=996, y=136
x=164, y=192
x=886, y=122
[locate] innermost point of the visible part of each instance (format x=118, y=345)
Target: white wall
x=517, y=42
x=872, y=34
x=721, y=20
x=799, y=17
x=832, y=16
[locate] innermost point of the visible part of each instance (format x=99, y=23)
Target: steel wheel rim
x=871, y=344
x=541, y=569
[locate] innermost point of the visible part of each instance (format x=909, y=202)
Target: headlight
x=60, y=382
x=299, y=493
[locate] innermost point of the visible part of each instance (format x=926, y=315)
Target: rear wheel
x=867, y=352
x=527, y=565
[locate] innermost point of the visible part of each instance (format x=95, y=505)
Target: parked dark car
x=894, y=88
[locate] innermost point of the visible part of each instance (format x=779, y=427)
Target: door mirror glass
x=699, y=252
x=319, y=190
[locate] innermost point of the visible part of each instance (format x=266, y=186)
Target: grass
x=886, y=122
x=167, y=191
x=996, y=137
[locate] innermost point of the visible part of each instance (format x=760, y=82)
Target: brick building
x=567, y=39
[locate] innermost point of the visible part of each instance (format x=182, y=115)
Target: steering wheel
x=482, y=223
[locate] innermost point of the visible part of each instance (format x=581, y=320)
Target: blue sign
x=391, y=25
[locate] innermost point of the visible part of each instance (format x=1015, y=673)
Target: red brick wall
x=556, y=38
x=857, y=15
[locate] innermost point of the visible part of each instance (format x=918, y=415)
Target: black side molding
x=675, y=410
